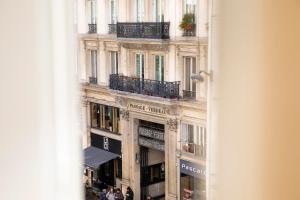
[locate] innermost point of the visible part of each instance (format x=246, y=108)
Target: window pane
x=187, y=73
x=94, y=63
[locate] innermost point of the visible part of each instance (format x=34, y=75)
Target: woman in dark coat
x=129, y=194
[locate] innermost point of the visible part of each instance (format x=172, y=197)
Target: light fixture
x=199, y=77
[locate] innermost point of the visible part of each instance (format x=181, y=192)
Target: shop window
x=192, y=188
x=193, y=139
x=105, y=117
x=153, y=174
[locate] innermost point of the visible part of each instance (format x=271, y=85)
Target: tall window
x=140, y=65
x=159, y=68
x=92, y=11
x=193, y=139
x=190, y=6
x=114, y=62
x=94, y=63
x=105, y=117
x=140, y=10
x=189, y=69
x=158, y=10
x=113, y=11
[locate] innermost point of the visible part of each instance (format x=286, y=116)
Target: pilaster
x=170, y=159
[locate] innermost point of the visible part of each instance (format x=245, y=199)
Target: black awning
x=94, y=157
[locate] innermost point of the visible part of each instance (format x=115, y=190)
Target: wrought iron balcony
x=92, y=28
x=93, y=80
x=112, y=28
x=151, y=30
x=144, y=86
x=188, y=94
x=190, y=32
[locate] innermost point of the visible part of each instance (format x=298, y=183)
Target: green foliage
x=187, y=21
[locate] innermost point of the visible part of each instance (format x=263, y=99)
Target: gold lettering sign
x=147, y=108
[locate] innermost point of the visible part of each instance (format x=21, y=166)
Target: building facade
x=139, y=101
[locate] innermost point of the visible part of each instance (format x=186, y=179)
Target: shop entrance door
x=106, y=173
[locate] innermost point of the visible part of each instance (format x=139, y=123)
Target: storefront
x=192, y=181
x=103, y=162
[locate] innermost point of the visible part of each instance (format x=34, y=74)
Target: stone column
x=124, y=130
x=84, y=123
x=170, y=159
x=135, y=165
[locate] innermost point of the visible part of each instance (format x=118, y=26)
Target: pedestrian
x=129, y=194
x=119, y=195
x=110, y=194
x=103, y=194
x=149, y=197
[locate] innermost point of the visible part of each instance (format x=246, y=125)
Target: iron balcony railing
x=151, y=30
x=112, y=28
x=144, y=86
x=92, y=28
x=186, y=94
x=93, y=80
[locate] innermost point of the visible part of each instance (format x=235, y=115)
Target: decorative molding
x=172, y=124
x=153, y=47
x=124, y=114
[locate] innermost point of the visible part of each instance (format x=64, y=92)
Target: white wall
x=40, y=141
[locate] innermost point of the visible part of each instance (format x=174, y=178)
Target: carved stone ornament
x=172, y=124
x=154, y=47
x=124, y=114
x=120, y=101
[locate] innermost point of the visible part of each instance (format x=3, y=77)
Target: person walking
x=119, y=195
x=129, y=194
x=110, y=194
x=103, y=194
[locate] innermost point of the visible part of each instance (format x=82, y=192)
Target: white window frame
x=141, y=65
x=187, y=6
x=93, y=62
x=114, y=62
x=199, y=137
x=140, y=10
x=92, y=11
x=161, y=66
x=158, y=10
x=192, y=64
x=114, y=12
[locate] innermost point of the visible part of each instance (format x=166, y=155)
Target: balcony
x=112, y=28
x=155, y=88
x=150, y=30
x=93, y=80
x=92, y=28
x=189, y=95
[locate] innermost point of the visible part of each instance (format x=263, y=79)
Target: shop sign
x=151, y=133
x=106, y=143
x=153, y=144
x=192, y=169
x=147, y=108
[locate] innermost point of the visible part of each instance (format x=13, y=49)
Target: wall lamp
x=199, y=77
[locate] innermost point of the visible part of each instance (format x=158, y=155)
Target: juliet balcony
x=92, y=28
x=149, y=30
x=136, y=85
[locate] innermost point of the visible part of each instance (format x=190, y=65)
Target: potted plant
x=187, y=24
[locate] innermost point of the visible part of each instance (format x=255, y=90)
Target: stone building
x=143, y=117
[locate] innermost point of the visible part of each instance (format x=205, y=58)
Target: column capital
x=172, y=124
x=124, y=114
